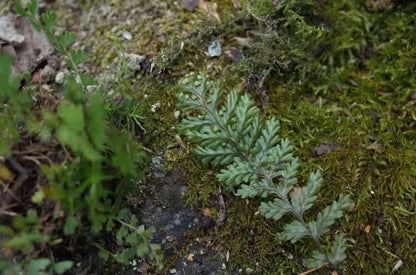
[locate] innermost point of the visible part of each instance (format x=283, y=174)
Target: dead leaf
x=243, y=41
x=367, y=229
x=334, y=273
x=190, y=257
x=352, y=206
x=325, y=149
x=211, y=9
x=295, y=193
x=376, y=147
x=397, y=265
x=5, y=174
x=207, y=212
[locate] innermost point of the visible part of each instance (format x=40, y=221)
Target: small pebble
x=155, y=107
x=126, y=35
x=134, y=61
x=249, y=270
x=214, y=50
x=177, y=114
x=60, y=77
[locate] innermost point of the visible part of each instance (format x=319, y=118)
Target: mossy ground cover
x=333, y=72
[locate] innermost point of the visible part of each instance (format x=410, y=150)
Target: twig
x=311, y=270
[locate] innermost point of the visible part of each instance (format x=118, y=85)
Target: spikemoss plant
x=258, y=163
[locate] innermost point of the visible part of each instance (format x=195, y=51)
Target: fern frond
x=308, y=196
x=258, y=163
x=328, y=216
x=338, y=254
x=293, y=232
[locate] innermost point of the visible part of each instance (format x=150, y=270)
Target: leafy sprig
x=257, y=162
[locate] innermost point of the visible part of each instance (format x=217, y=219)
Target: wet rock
x=214, y=50
x=189, y=5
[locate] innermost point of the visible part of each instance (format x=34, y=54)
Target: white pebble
x=60, y=77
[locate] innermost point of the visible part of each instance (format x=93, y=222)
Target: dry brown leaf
x=352, y=206
x=211, y=9
x=207, y=212
x=367, y=229
x=295, y=193
x=5, y=174
x=190, y=257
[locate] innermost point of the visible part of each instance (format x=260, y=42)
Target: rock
x=134, y=61
x=214, y=50
x=8, y=32
x=60, y=77
x=189, y=5
x=155, y=107
x=176, y=114
x=27, y=46
x=47, y=73
x=249, y=270
x=126, y=35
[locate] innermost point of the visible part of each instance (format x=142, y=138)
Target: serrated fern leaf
x=237, y=173
x=317, y=260
x=328, y=216
x=338, y=254
x=308, y=196
x=217, y=157
x=251, y=191
x=274, y=209
x=293, y=232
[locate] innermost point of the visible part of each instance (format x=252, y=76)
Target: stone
x=134, y=61
x=59, y=78
x=214, y=50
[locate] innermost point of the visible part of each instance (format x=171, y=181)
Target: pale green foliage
x=258, y=163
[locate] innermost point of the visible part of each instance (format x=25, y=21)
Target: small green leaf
x=121, y=233
x=142, y=250
x=63, y=266
x=32, y=217
x=123, y=214
x=19, y=9
x=32, y=6
x=79, y=57
x=337, y=253
x=293, y=232
x=316, y=260
x=132, y=239
x=38, y=266
x=274, y=209
x=49, y=19
x=66, y=39
x=86, y=80
x=71, y=225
